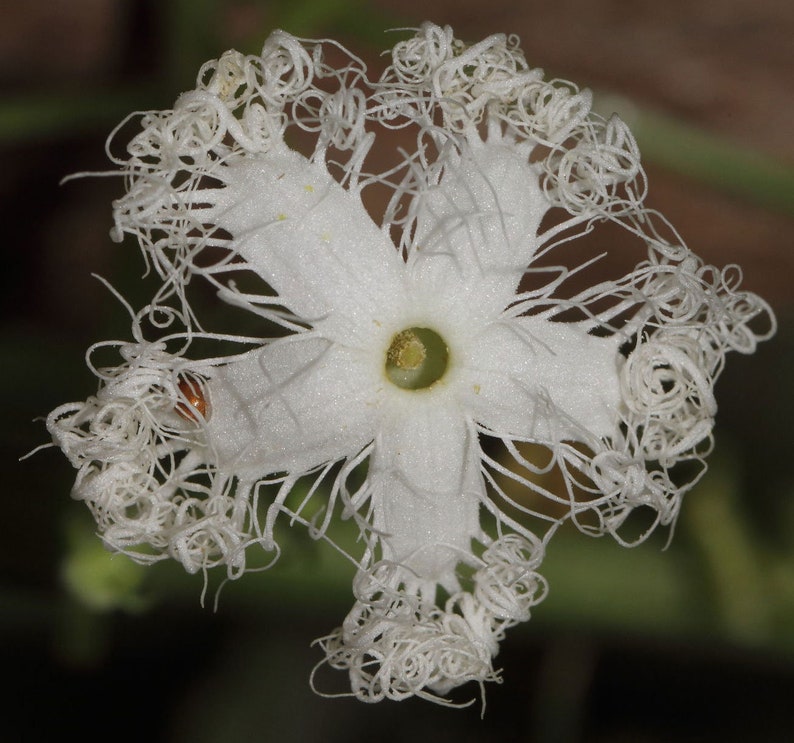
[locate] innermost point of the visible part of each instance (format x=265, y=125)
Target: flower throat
x=416, y=359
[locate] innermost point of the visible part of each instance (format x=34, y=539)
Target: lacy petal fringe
x=141, y=470
x=395, y=644
x=557, y=404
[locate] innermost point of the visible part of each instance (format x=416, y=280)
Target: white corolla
x=458, y=375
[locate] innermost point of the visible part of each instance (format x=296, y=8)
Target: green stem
x=47, y=115
x=706, y=157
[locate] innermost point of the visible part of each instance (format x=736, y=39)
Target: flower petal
x=545, y=381
x=290, y=406
x=308, y=237
x=479, y=224
x=427, y=486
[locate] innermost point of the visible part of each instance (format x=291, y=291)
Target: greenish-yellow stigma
x=417, y=358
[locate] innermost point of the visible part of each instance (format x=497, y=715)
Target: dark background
x=695, y=643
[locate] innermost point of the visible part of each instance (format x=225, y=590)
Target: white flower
x=405, y=371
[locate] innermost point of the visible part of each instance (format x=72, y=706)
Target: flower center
x=417, y=358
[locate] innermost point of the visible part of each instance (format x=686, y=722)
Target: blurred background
x=690, y=643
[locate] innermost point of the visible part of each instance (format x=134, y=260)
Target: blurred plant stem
x=49, y=116
x=752, y=587
x=704, y=157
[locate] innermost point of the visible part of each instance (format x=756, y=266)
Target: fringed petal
x=291, y=406
x=426, y=487
x=309, y=238
x=544, y=381
x=477, y=225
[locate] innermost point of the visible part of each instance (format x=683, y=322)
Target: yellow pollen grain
x=406, y=352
